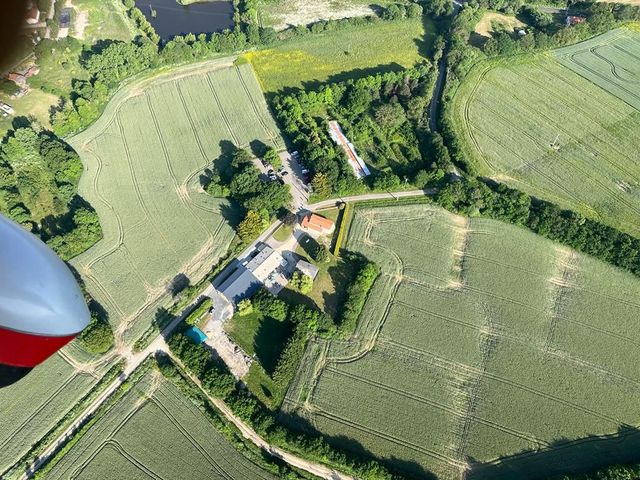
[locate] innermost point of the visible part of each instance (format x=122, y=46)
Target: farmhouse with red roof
x=317, y=224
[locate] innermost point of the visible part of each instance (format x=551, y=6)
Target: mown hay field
x=316, y=58
x=564, y=128
x=35, y=405
x=479, y=341
x=143, y=161
x=155, y=431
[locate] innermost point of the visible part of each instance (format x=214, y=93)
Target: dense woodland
x=384, y=115
x=39, y=176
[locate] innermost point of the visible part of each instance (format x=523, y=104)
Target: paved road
x=371, y=196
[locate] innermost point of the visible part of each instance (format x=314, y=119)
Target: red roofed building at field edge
x=318, y=224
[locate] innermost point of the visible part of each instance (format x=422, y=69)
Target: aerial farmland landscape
x=339, y=239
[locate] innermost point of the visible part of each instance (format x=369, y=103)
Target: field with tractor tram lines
x=143, y=161
x=564, y=127
x=36, y=405
x=155, y=431
x=472, y=330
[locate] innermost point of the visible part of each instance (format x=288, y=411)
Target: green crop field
x=143, y=161
x=564, y=128
x=33, y=406
x=479, y=341
x=317, y=58
x=154, y=431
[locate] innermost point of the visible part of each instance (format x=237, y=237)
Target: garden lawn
x=564, y=128
x=483, y=351
x=107, y=20
x=339, y=55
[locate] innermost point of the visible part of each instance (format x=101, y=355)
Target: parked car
x=305, y=171
x=284, y=173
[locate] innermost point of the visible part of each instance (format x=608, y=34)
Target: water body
x=174, y=19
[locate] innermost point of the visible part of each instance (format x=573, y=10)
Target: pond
x=174, y=19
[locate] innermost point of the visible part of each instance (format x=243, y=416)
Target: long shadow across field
x=564, y=457
x=409, y=470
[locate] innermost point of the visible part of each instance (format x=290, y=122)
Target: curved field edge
x=592, y=157
x=110, y=218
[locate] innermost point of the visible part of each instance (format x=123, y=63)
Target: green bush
x=356, y=297
x=97, y=338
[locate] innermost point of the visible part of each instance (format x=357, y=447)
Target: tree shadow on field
x=178, y=284
x=408, y=469
x=161, y=319
x=258, y=148
x=271, y=338
x=232, y=213
x=563, y=457
x=222, y=164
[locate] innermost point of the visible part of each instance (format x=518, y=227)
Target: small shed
x=196, y=335
x=307, y=269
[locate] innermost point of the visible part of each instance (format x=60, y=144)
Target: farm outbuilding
x=318, y=224
x=243, y=279
x=575, y=19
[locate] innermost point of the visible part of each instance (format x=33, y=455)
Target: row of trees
x=218, y=381
x=547, y=34
x=474, y=197
x=385, y=115
x=109, y=64
x=357, y=292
